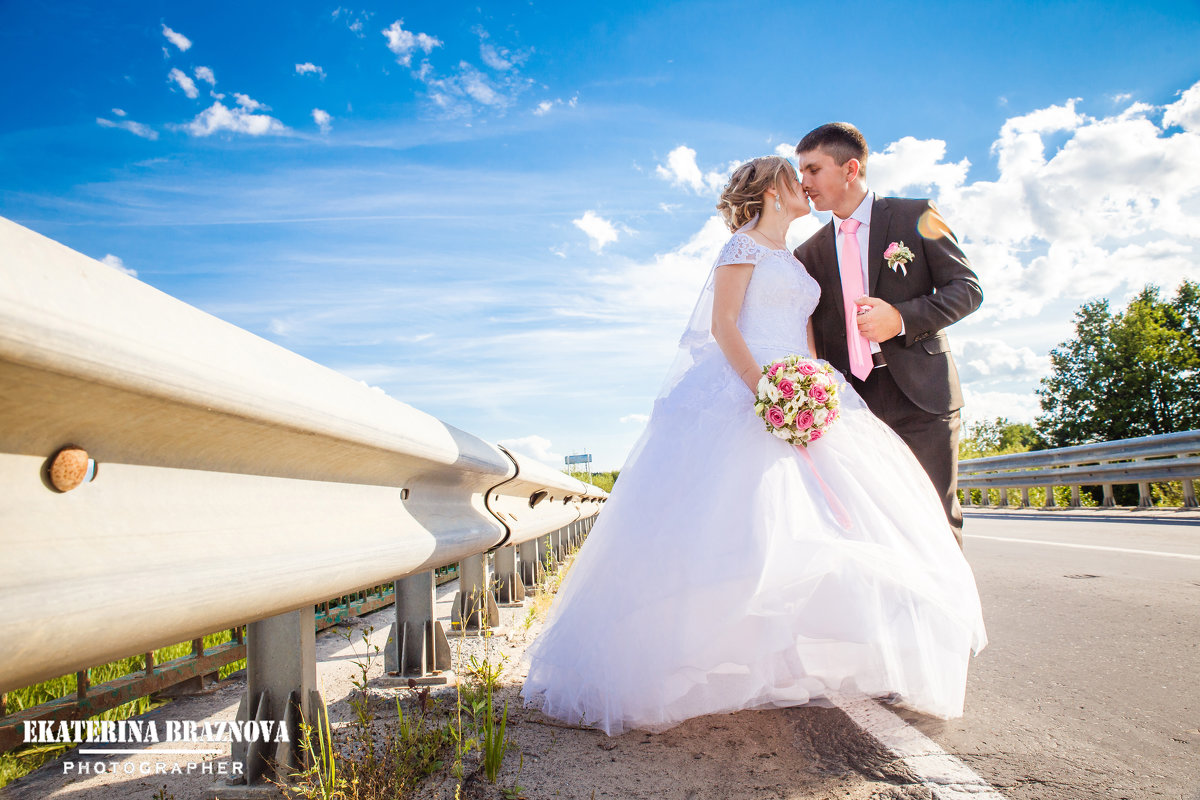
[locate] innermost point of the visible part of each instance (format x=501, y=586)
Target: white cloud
x=493, y=57
x=354, y=20
x=996, y=360
x=663, y=290
x=373, y=388
x=498, y=58
x=308, y=68
x=983, y=406
x=249, y=103
x=403, y=43
x=119, y=112
x=914, y=164
x=117, y=264
x=600, y=231
x=218, y=117
x=322, y=119
x=535, y=447
x=1113, y=206
x=177, y=39
x=467, y=89
x=136, y=128
x=670, y=208
x=682, y=170
x=785, y=150
x=641, y=419
x=479, y=87
x=187, y=84
x=1185, y=112
x=205, y=74
x=543, y=107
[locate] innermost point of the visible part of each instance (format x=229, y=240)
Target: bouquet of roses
x=797, y=397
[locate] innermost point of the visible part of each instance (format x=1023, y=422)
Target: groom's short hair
x=841, y=140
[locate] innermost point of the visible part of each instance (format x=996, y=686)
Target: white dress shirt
x=863, y=234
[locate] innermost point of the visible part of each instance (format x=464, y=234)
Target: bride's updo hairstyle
x=743, y=195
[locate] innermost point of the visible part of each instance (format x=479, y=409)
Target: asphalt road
x=1090, y=684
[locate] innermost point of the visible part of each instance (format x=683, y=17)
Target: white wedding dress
x=716, y=578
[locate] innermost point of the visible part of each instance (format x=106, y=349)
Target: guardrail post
x=556, y=545
x=1050, y=501
x=281, y=668
x=1075, y=501
x=1003, y=501
x=1145, y=497
x=512, y=588
x=1189, y=493
x=417, y=647
x=1025, y=497
x=474, y=605
x=1110, y=499
x=531, y=565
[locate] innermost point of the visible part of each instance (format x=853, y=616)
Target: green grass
x=604, y=480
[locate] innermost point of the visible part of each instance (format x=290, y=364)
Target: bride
x=718, y=577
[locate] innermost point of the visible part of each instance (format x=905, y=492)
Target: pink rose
x=816, y=434
x=774, y=368
x=786, y=388
x=891, y=250
x=818, y=393
x=806, y=368
x=775, y=416
x=832, y=416
x=804, y=420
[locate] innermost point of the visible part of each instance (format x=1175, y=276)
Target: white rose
x=774, y=394
x=820, y=416
x=781, y=433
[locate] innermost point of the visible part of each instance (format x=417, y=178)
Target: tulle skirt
x=717, y=577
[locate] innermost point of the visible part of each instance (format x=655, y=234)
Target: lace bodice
x=779, y=300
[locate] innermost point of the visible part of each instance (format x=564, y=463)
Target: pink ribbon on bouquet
x=835, y=505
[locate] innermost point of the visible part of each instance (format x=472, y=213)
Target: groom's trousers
x=933, y=438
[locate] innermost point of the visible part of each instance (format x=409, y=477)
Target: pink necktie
x=850, y=264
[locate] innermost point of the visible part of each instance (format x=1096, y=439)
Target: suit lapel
x=881, y=215
x=831, y=276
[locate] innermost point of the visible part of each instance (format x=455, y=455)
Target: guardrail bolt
x=69, y=468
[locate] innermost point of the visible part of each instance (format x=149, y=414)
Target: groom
x=892, y=277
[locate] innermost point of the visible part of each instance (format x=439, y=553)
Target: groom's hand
x=881, y=321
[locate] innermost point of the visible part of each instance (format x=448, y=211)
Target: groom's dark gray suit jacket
x=938, y=289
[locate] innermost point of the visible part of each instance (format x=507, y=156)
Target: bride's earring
x=777, y=206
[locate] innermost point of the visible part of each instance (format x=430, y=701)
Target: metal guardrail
x=1141, y=460
x=231, y=480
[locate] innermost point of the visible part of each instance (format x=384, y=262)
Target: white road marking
x=1084, y=546
x=943, y=774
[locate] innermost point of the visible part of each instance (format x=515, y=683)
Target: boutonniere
x=897, y=256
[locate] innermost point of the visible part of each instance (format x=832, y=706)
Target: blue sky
x=521, y=194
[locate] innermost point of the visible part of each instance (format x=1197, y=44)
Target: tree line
x=1123, y=374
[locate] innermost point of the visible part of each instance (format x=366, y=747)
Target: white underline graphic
x=155, y=751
